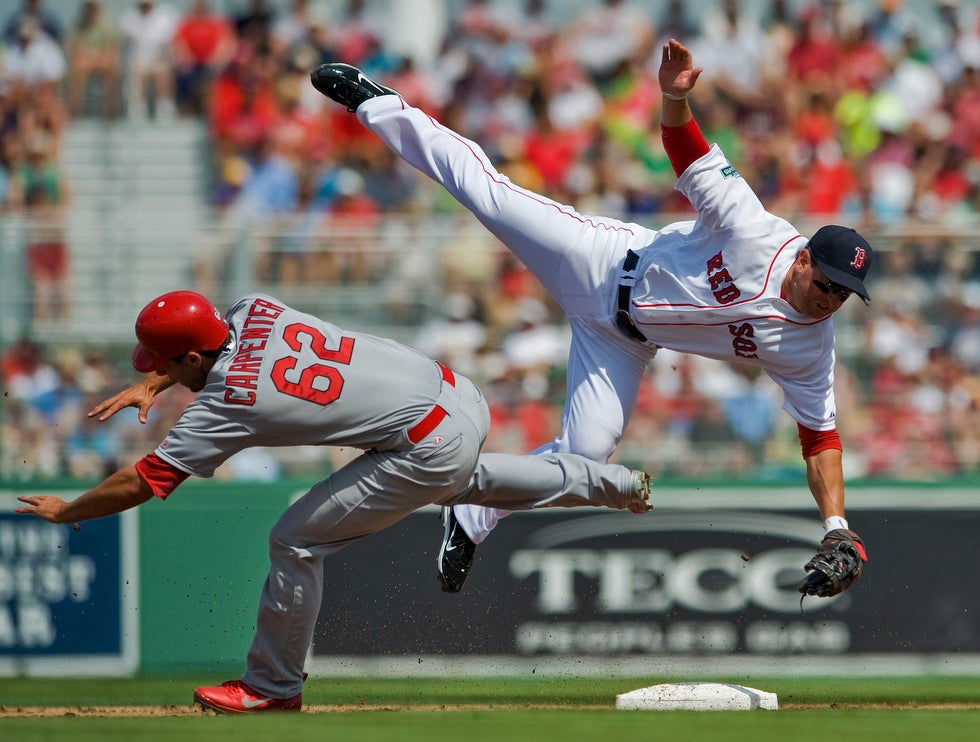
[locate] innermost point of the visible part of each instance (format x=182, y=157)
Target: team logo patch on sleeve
x=729, y=171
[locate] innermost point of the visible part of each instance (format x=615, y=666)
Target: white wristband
x=833, y=523
x=671, y=96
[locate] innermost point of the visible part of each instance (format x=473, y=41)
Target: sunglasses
x=826, y=287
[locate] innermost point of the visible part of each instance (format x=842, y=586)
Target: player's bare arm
x=118, y=492
x=677, y=78
x=825, y=477
x=140, y=396
x=840, y=559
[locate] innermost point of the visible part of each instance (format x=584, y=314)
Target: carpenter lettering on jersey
x=742, y=341
x=245, y=366
x=722, y=286
x=729, y=171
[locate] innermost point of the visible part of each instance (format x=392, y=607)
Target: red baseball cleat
x=234, y=697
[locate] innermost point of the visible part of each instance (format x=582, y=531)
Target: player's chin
x=196, y=385
x=817, y=312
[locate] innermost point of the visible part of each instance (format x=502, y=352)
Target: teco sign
x=656, y=579
x=676, y=590
x=707, y=582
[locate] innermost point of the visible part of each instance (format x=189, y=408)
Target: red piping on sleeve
x=684, y=144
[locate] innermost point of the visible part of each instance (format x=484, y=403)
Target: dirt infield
x=38, y=712
x=7, y=712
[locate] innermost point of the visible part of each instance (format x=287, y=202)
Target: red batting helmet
x=174, y=324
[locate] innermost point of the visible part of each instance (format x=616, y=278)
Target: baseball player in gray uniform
x=736, y=284
x=269, y=375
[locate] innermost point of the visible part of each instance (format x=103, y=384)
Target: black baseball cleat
x=346, y=85
x=455, y=555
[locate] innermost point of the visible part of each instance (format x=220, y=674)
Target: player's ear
x=804, y=259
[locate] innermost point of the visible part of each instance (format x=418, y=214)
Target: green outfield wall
x=198, y=562
x=204, y=558
x=708, y=577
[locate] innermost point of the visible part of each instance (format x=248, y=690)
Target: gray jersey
x=288, y=378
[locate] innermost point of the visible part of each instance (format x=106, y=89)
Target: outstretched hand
x=45, y=507
x=677, y=74
x=139, y=395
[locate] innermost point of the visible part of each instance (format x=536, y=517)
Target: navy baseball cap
x=843, y=256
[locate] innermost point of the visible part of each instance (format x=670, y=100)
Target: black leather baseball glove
x=836, y=566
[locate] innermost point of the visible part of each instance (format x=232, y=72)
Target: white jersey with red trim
x=288, y=378
x=712, y=287
x=709, y=287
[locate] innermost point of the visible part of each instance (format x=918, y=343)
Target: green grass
x=536, y=709
x=518, y=726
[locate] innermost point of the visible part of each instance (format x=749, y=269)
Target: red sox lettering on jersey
x=725, y=292
x=742, y=341
x=722, y=285
x=719, y=293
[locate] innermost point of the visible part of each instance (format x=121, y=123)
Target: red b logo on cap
x=860, y=256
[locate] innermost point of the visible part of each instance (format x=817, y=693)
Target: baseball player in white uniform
x=737, y=284
x=268, y=375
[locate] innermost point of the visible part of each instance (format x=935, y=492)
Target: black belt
x=626, y=282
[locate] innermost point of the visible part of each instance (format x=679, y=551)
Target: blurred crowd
x=33, y=121
x=865, y=114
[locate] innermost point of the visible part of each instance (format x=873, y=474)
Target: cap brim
x=843, y=279
x=144, y=361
